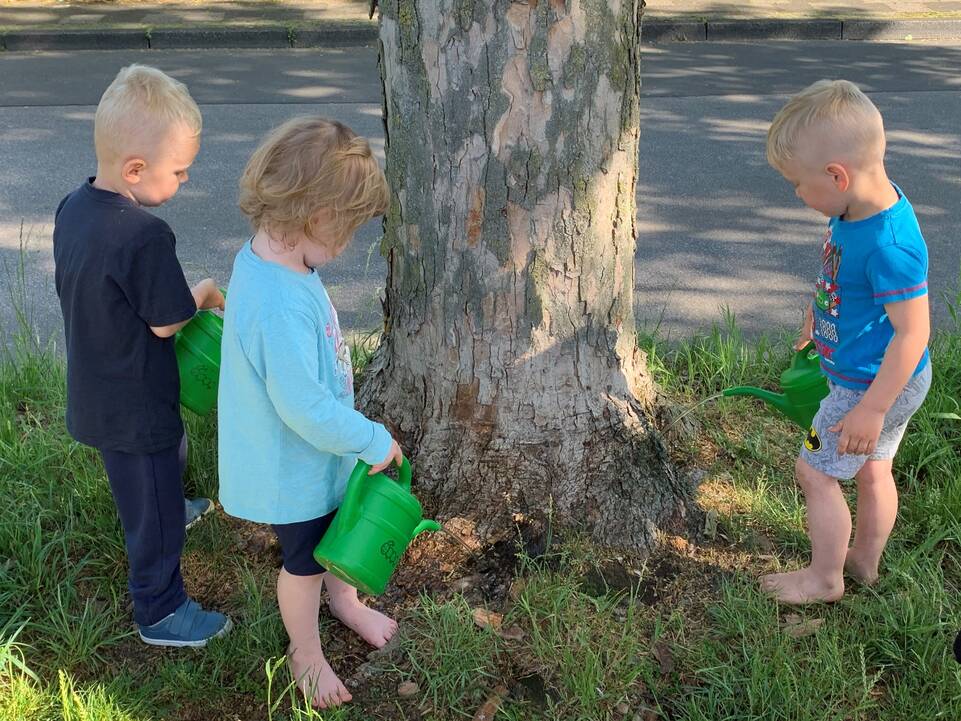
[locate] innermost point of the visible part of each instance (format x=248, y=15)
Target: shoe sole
x=172, y=643
x=210, y=509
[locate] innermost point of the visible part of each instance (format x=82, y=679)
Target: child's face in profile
x=165, y=170
x=324, y=245
x=816, y=187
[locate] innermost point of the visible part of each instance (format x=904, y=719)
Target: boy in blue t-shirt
x=124, y=296
x=870, y=323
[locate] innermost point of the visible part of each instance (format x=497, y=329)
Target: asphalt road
x=718, y=228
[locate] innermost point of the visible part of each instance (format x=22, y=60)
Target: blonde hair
x=311, y=164
x=845, y=117
x=136, y=111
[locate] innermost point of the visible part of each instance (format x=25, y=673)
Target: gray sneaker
x=195, y=509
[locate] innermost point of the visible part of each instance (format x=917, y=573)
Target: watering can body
x=198, y=359
x=377, y=520
x=803, y=384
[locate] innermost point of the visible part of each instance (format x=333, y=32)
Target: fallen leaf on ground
x=710, y=524
x=488, y=711
x=805, y=628
x=681, y=545
x=664, y=656
x=488, y=619
x=518, y=585
x=407, y=689
x=462, y=585
x=512, y=633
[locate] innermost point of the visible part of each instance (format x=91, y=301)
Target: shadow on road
x=717, y=227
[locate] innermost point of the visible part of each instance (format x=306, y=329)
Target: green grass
x=67, y=650
x=454, y=661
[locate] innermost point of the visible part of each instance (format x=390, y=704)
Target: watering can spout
x=777, y=400
x=425, y=525
x=804, y=386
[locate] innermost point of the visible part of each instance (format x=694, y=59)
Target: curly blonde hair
x=312, y=164
x=843, y=115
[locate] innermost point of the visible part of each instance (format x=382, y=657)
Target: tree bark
x=508, y=367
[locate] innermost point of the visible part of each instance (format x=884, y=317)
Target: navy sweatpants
x=148, y=491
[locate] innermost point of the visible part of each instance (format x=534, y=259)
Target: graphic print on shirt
x=827, y=298
x=343, y=368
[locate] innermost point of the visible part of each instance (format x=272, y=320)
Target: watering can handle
x=802, y=353
x=404, y=474
x=350, y=506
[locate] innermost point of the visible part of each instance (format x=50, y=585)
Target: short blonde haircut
x=137, y=111
x=311, y=164
x=842, y=115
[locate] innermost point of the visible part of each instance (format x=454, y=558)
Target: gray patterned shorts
x=820, y=448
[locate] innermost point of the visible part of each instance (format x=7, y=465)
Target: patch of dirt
x=256, y=541
x=453, y=561
x=246, y=710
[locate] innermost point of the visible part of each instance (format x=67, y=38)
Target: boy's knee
x=874, y=473
x=809, y=478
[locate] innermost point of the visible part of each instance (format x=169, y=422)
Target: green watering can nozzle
x=426, y=525
x=777, y=400
x=803, y=384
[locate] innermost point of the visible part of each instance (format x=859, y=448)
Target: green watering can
x=198, y=357
x=804, y=386
x=373, y=527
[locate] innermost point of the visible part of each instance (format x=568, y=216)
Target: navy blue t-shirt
x=117, y=274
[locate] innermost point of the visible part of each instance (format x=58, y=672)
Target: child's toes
x=334, y=698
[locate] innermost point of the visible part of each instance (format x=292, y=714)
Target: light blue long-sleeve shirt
x=289, y=436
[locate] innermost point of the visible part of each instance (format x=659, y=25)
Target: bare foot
x=862, y=571
x=372, y=626
x=801, y=587
x=317, y=680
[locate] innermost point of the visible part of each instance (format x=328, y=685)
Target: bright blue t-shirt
x=864, y=265
x=289, y=436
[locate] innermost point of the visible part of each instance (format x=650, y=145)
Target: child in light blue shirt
x=289, y=435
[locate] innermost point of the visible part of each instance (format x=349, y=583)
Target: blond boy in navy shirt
x=124, y=296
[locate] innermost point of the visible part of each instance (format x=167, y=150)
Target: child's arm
x=206, y=295
x=912, y=328
x=286, y=352
x=807, y=328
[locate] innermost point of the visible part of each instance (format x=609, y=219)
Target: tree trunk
x=509, y=368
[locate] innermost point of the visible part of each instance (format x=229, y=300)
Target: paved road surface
x=718, y=227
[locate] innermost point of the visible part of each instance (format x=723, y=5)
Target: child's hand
x=395, y=456
x=859, y=430
x=807, y=329
x=208, y=295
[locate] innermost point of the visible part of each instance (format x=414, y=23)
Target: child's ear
x=132, y=170
x=839, y=175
